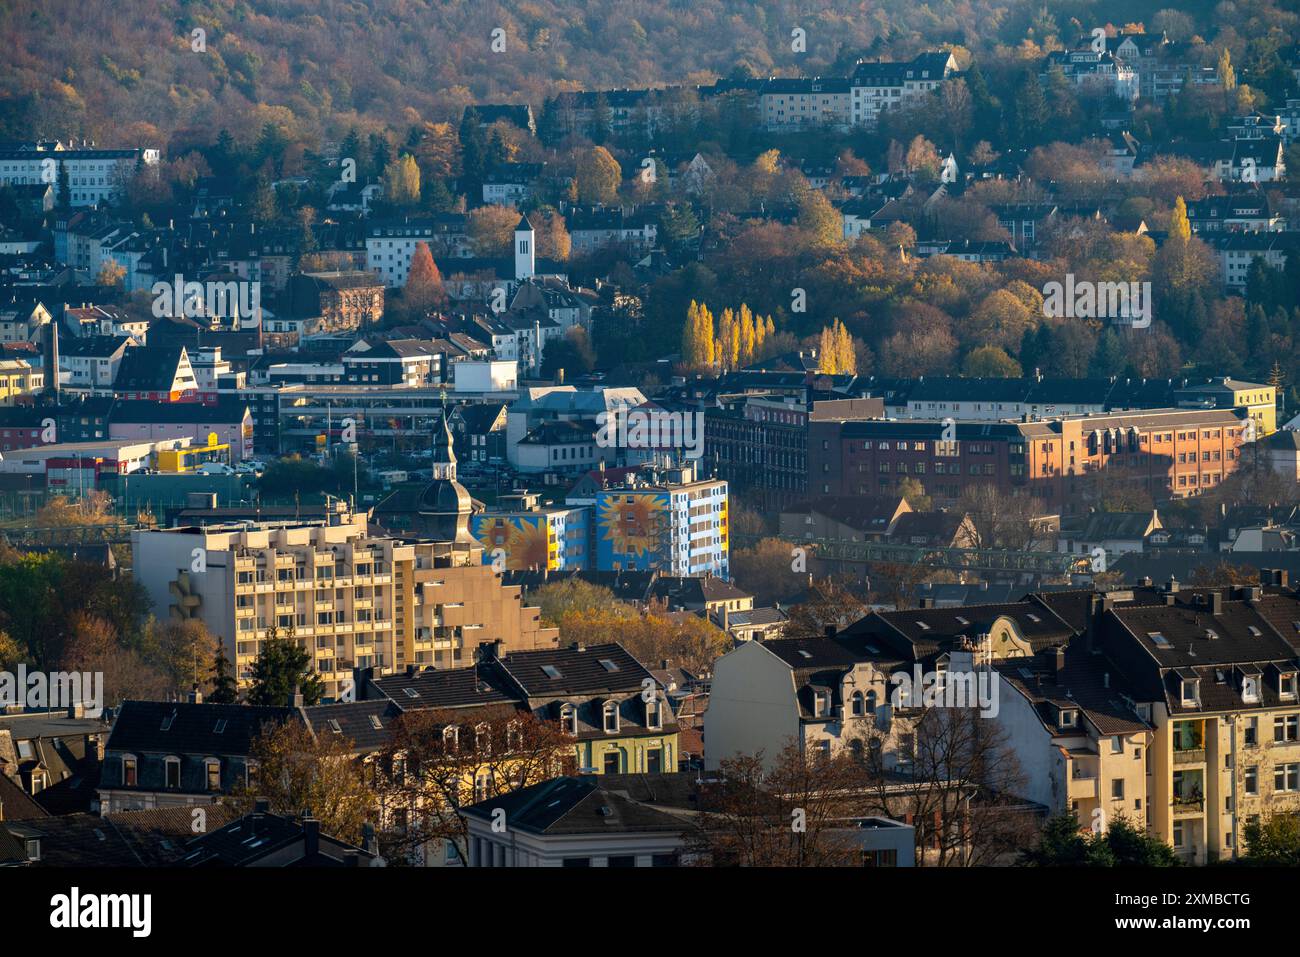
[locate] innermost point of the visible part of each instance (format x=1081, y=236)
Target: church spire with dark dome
x=445, y=505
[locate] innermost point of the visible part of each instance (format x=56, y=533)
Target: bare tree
x=1000, y=520
x=791, y=814
x=955, y=782
x=440, y=760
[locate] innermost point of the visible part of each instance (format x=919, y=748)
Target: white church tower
x=525, y=249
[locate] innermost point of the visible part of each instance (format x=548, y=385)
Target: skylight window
x=1160, y=640
x=167, y=721
x=804, y=653
x=551, y=672
x=411, y=692
x=923, y=626
x=962, y=621
x=1254, y=631
x=1034, y=618
x=334, y=726
x=608, y=665
x=375, y=722
x=220, y=726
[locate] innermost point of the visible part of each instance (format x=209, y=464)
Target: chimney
x=262, y=806
x=927, y=602
x=1171, y=586
x=310, y=838
x=1216, y=602
x=489, y=650
x=829, y=631
x=1060, y=660
x=368, y=840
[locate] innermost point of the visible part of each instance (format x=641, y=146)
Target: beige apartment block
x=350, y=598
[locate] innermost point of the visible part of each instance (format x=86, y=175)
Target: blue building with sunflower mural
x=666, y=521
x=538, y=539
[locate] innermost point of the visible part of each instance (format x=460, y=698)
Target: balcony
x=1188, y=806
x=1190, y=756
x=1082, y=788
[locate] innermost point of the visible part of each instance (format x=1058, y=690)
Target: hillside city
x=879, y=451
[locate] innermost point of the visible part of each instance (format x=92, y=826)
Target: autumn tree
x=439, y=760
x=597, y=176
x=491, y=229
x=836, y=355
x=402, y=181
x=826, y=604
x=424, y=290
x=299, y=770
x=699, y=349
x=767, y=570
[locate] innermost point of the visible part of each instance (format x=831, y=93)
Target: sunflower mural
x=527, y=542
x=631, y=528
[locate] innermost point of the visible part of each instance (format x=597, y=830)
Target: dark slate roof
x=580, y=670
x=866, y=513
x=229, y=409
x=474, y=686
x=1187, y=630
x=16, y=804
x=244, y=841
x=695, y=591
x=147, y=368
x=138, y=727
x=1087, y=681
x=579, y=805
x=356, y=721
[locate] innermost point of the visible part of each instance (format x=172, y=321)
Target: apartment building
x=351, y=598
x=92, y=175
x=789, y=103
x=19, y=381
x=1172, y=453
x=877, y=87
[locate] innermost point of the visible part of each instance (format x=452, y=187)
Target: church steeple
x=444, y=455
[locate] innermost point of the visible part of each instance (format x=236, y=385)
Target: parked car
x=214, y=468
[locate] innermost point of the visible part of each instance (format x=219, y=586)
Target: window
x=1117, y=789
x=1286, y=727
x=611, y=717
x=172, y=775
x=1069, y=718
x=1286, y=685
x=213, y=768
x=569, y=719
x=1252, y=732
x=129, y=771
x=858, y=706
x=653, y=715
x=1286, y=777
x=885, y=858
x=1250, y=780
x=1117, y=744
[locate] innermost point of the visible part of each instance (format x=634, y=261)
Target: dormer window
x=172, y=772
x=482, y=739
x=1191, y=691
x=1286, y=686
x=1069, y=718
x=569, y=719
x=821, y=702
x=611, y=717
x=129, y=771
x=654, y=715
x=212, y=768
x=450, y=737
